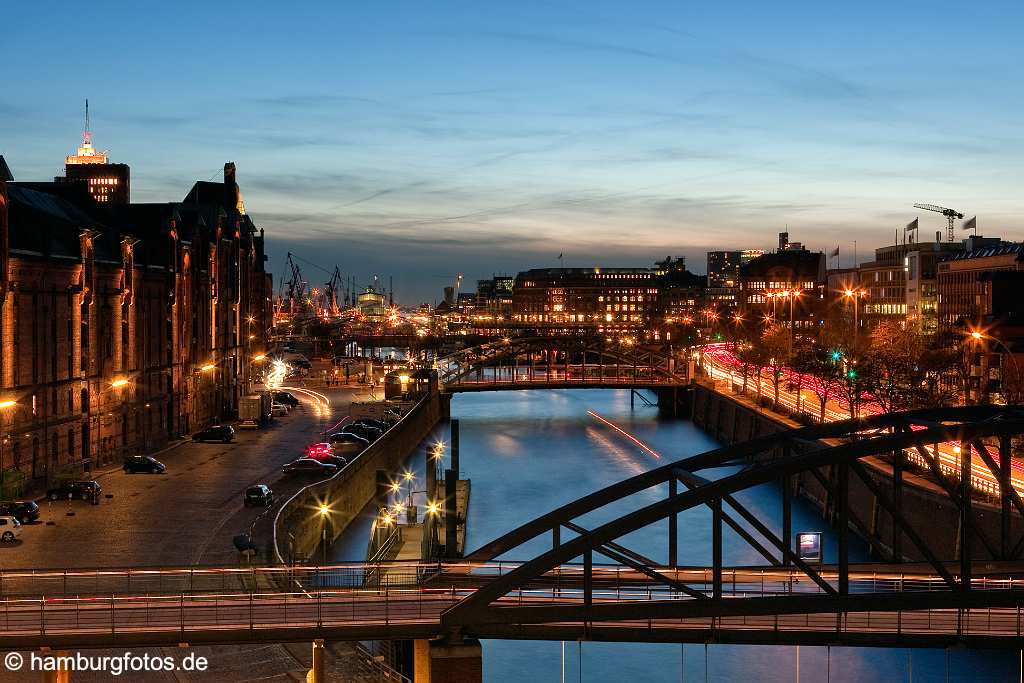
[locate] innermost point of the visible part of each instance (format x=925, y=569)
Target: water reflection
x=528, y=452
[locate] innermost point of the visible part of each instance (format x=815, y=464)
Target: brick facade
x=108, y=315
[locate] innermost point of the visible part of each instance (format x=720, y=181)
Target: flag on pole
x=835, y=253
x=560, y=256
x=971, y=223
x=911, y=226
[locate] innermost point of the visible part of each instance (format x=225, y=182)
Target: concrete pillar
x=438, y=661
x=61, y=675
x=451, y=521
x=316, y=672
x=455, y=446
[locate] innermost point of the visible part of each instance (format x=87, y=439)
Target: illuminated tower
x=108, y=183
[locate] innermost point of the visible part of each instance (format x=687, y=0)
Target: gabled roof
x=50, y=225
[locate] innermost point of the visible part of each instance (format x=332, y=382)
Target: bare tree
x=1012, y=379
x=892, y=365
x=776, y=350
x=823, y=367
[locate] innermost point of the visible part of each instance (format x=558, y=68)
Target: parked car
x=143, y=463
x=10, y=528
x=286, y=398
x=82, y=490
x=370, y=422
x=367, y=432
x=24, y=511
x=331, y=458
x=319, y=449
x=259, y=495
x=309, y=466
x=346, y=442
x=223, y=433
x=278, y=410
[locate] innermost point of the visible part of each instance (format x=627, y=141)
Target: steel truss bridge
x=559, y=362
x=563, y=593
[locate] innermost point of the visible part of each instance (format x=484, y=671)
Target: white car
x=278, y=409
x=10, y=528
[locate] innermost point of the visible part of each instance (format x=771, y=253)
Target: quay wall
x=299, y=529
x=932, y=515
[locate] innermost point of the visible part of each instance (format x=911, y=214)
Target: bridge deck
x=766, y=605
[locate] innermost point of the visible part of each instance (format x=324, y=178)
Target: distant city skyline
x=416, y=142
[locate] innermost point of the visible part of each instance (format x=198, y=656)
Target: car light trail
x=626, y=434
x=721, y=364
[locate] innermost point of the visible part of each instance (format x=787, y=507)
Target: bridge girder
x=862, y=438
x=650, y=361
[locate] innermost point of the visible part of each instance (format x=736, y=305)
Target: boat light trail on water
x=626, y=434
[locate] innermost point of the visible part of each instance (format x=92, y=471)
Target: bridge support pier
x=61, y=674
x=443, y=661
x=316, y=672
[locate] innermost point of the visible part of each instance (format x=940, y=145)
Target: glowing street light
x=4, y=405
x=978, y=335
x=207, y=368
x=259, y=357
x=855, y=294
x=433, y=508
x=119, y=382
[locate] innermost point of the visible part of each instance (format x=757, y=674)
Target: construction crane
x=950, y=214
x=331, y=290
x=296, y=291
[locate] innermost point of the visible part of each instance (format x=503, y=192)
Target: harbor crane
x=950, y=214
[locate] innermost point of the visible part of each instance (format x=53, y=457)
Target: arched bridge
x=560, y=362
x=915, y=594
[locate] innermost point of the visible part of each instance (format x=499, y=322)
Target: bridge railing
x=100, y=620
x=619, y=582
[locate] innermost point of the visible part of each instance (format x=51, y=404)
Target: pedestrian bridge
x=561, y=593
x=516, y=363
x=119, y=608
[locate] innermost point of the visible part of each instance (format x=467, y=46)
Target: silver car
x=10, y=528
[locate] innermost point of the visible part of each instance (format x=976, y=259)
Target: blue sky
x=422, y=139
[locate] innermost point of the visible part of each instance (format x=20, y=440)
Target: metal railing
x=417, y=610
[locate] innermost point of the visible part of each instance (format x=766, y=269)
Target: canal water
x=528, y=452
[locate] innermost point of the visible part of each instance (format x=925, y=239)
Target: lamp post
x=979, y=336
x=855, y=295
x=324, y=511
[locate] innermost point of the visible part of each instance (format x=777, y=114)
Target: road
x=187, y=516
x=721, y=365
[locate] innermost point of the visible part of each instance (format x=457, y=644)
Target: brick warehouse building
x=123, y=326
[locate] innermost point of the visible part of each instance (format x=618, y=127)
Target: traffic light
x=852, y=374
x=836, y=356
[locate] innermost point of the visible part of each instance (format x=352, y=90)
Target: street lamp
x=324, y=511
x=855, y=294
x=978, y=336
